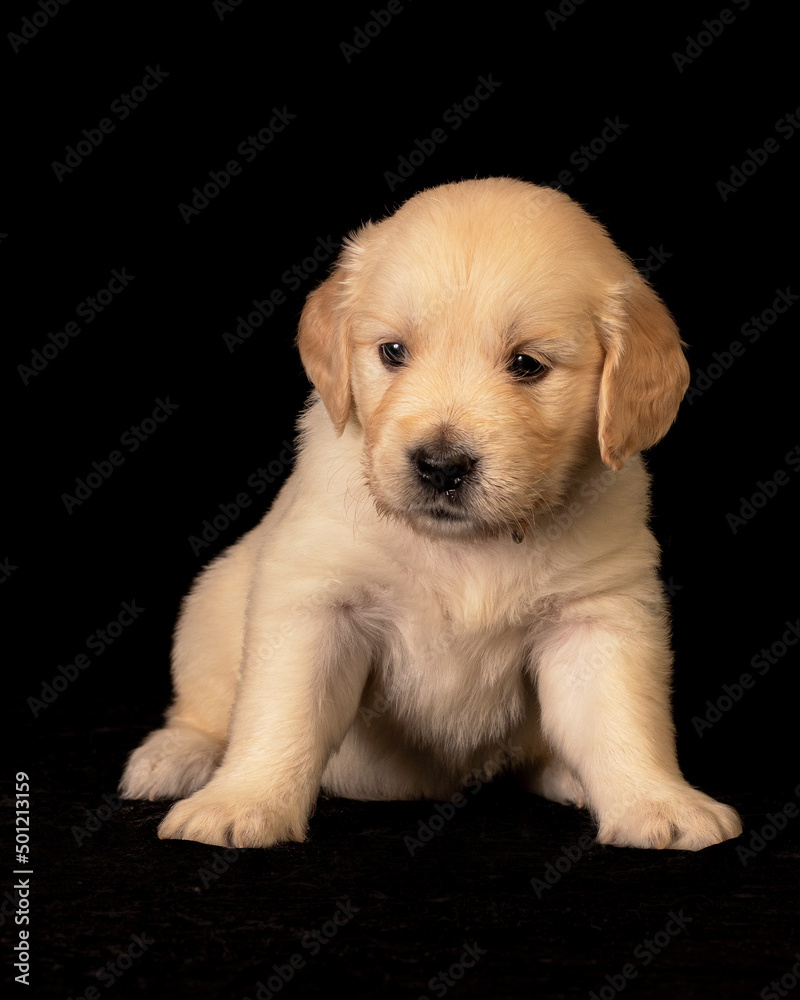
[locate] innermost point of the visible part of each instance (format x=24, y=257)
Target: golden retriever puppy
x=459, y=569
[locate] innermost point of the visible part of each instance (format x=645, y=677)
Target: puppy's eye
x=523, y=366
x=393, y=355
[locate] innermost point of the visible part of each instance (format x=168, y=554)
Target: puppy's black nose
x=444, y=470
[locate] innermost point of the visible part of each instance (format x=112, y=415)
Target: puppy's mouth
x=463, y=513
x=462, y=523
x=449, y=511
x=438, y=514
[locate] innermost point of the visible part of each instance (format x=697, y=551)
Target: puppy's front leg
x=604, y=688
x=305, y=664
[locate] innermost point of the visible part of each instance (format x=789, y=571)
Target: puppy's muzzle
x=447, y=488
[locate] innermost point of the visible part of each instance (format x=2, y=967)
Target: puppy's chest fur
x=453, y=664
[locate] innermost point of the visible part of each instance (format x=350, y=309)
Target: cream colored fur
x=380, y=637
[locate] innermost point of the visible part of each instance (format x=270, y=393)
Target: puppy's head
x=488, y=338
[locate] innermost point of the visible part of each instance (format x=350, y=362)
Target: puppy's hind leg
x=179, y=759
x=171, y=763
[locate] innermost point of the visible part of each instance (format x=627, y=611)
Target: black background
x=355, y=113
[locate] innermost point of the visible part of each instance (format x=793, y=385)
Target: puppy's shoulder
x=325, y=495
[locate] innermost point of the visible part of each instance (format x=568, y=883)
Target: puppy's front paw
x=220, y=817
x=685, y=820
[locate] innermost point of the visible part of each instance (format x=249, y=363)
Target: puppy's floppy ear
x=645, y=374
x=325, y=348
x=323, y=336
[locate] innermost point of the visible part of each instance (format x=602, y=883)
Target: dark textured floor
x=384, y=899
